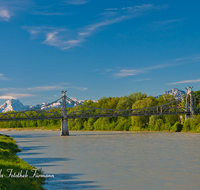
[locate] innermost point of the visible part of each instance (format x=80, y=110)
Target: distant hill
x=174, y=91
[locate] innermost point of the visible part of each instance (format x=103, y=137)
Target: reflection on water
x=113, y=160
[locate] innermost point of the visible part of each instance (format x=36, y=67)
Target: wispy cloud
x=4, y=14
x=15, y=95
x=142, y=79
x=165, y=23
x=48, y=13
x=185, y=81
x=81, y=88
x=76, y=2
x=66, y=39
x=47, y=88
x=24, y=91
x=2, y=77
x=8, y=8
x=133, y=8
x=127, y=72
x=131, y=72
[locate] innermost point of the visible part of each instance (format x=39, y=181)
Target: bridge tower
x=191, y=109
x=64, y=121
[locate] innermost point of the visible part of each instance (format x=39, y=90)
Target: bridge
x=84, y=111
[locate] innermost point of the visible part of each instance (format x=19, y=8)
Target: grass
x=12, y=166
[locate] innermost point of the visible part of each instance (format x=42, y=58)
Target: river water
x=113, y=160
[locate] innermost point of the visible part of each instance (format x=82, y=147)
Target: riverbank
x=16, y=174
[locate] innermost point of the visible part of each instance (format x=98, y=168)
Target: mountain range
x=174, y=91
x=16, y=105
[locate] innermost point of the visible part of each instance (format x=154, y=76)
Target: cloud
x=23, y=91
x=4, y=15
x=127, y=72
x=142, y=79
x=81, y=88
x=48, y=13
x=131, y=72
x=47, y=88
x=165, y=23
x=9, y=7
x=76, y=2
x=134, y=8
x=196, y=58
x=185, y=81
x=66, y=39
x=2, y=77
x=111, y=9
x=14, y=96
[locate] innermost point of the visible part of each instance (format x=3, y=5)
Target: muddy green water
x=114, y=160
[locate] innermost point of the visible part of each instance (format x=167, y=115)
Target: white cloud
x=82, y=88
x=127, y=72
x=131, y=72
x=4, y=14
x=47, y=88
x=196, y=58
x=111, y=9
x=45, y=13
x=65, y=39
x=134, y=8
x=14, y=96
x=2, y=77
x=142, y=79
x=76, y=2
x=185, y=81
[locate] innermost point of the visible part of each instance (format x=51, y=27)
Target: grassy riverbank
x=16, y=174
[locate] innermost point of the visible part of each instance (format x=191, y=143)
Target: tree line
x=134, y=123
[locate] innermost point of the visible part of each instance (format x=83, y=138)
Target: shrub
x=177, y=127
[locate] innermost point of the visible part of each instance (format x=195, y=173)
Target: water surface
x=114, y=160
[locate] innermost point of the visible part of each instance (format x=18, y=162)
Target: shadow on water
x=28, y=135
x=28, y=148
x=107, y=134
x=69, y=181
x=41, y=162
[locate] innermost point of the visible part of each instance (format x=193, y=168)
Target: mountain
x=12, y=105
x=16, y=105
x=174, y=91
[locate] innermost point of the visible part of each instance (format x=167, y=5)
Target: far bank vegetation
x=134, y=123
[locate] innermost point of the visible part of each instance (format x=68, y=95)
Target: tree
x=126, y=102
x=141, y=121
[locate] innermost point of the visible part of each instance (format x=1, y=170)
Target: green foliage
x=9, y=160
x=165, y=99
x=141, y=121
x=126, y=102
x=177, y=127
x=135, y=123
x=186, y=125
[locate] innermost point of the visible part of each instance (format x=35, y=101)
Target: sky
x=97, y=48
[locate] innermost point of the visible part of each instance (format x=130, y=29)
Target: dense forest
x=133, y=123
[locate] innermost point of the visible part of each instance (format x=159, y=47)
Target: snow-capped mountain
x=12, y=105
x=16, y=105
x=174, y=91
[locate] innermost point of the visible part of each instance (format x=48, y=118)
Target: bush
x=186, y=125
x=177, y=127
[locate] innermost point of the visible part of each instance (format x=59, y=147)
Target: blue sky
x=97, y=48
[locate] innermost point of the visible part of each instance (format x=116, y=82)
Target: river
x=113, y=160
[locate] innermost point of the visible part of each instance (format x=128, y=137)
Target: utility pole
x=64, y=120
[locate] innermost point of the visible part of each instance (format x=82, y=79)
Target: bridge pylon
x=64, y=120
x=191, y=109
